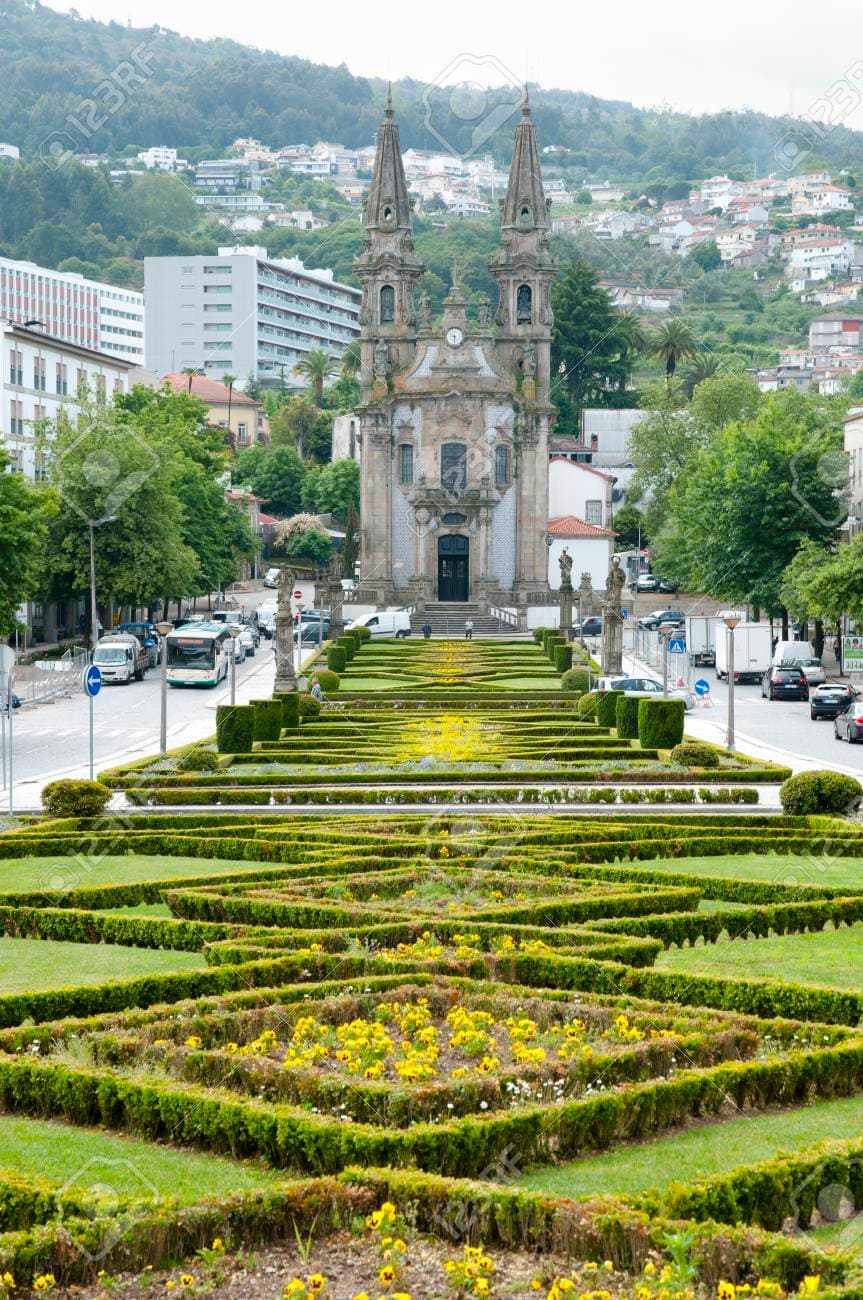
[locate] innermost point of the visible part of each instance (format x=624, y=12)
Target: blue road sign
x=92, y=680
x=676, y=646
x=702, y=687
x=624, y=613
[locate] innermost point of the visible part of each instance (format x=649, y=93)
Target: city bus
x=199, y=654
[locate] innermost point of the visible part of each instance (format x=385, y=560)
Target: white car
x=271, y=577
x=239, y=649
x=813, y=671
x=646, y=688
x=249, y=640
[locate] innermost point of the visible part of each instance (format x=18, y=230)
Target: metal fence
x=48, y=679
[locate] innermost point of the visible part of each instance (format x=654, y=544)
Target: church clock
x=454, y=337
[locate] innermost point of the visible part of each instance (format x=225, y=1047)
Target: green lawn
x=62, y=873
x=28, y=965
x=699, y=1151
x=833, y=958
x=86, y=1157
x=778, y=868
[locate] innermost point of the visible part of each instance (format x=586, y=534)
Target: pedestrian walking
x=426, y=630
x=316, y=692
x=468, y=629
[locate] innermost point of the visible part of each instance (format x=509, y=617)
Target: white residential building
x=817, y=258
x=93, y=314
x=10, y=151
x=718, y=191
x=161, y=158
x=575, y=488
x=816, y=199
x=835, y=331
x=254, y=150
x=39, y=374
x=589, y=547
x=244, y=312
x=467, y=205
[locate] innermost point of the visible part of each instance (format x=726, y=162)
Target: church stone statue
x=382, y=360
x=424, y=312
x=612, y=622
x=483, y=311
x=565, y=562
x=286, y=678
x=529, y=363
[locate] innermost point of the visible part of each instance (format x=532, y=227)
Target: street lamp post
x=730, y=624
x=235, y=631
x=163, y=629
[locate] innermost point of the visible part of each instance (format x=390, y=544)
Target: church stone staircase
x=448, y=619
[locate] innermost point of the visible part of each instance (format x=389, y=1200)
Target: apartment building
x=102, y=317
x=39, y=374
x=244, y=313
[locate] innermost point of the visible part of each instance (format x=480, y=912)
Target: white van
x=791, y=652
x=388, y=622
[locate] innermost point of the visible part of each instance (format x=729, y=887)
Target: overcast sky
x=774, y=56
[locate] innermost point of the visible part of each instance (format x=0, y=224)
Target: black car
x=831, y=699
x=849, y=725
x=590, y=627
x=670, y=617
x=669, y=586
x=785, y=682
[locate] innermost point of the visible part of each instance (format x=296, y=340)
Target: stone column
x=286, y=677
x=612, y=621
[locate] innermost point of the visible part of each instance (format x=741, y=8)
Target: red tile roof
x=572, y=526
x=208, y=390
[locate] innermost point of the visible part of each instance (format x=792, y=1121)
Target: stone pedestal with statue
x=612, y=620
x=565, y=622
x=286, y=677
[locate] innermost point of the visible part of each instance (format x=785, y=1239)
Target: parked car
x=651, y=621
x=239, y=649
x=646, y=688
x=785, y=682
x=121, y=658
x=266, y=618
x=646, y=582
x=589, y=627
x=848, y=725
x=669, y=585
x=831, y=699
x=388, y=622
x=313, y=630
x=813, y=671
x=271, y=577
x=251, y=639
x=670, y=621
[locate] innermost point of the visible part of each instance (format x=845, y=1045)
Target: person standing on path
x=468, y=629
x=426, y=630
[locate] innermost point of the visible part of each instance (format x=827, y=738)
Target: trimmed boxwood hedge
x=290, y=702
x=267, y=717
x=660, y=723
x=328, y=678
x=606, y=707
x=348, y=644
x=235, y=728
x=626, y=717
x=563, y=658
x=820, y=792
x=576, y=679
x=337, y=660
x=694, y=753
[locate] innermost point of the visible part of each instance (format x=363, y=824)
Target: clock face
x=454, y=337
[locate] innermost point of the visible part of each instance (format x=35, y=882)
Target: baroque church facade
x=455, y=414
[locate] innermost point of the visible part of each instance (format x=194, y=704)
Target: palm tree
x=631, y=332
x=229, y=381
x=191, y=371
x=673, y=341
x=350, y=366
x=705, y=366
x=316, y=366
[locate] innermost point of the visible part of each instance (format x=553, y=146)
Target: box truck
x=752, y=651
x=701, y=639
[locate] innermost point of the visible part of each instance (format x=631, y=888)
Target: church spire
x=524, y=207
x=388, y=208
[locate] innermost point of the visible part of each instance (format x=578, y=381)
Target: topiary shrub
x=337, y=661
x=539, y=633
x=820, y=792
x=363, y=632
x=197, y=759
x=551, y=644
x=606, y=708
x=694, y=753
x=349, y=646
x=290, y=704
x=235, y=728
x=575, y=679
x=563, y=658
x=310, y=708
x=267, y=715
x=660, y=723
x=75, y=798
x=587, y=705
x=626, y=717
x=329, y=680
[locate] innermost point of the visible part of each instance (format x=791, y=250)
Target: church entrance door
x=453, y=581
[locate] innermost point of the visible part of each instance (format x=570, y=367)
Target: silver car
x=813, y=671
x=646, y=688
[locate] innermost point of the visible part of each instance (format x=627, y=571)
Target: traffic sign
x=298, y=595
x=677, y=646
x=702, y=687
x=91, y=680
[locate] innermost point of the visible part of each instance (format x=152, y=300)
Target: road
x=52, y=740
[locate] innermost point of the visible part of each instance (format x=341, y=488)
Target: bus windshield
x=191, y=652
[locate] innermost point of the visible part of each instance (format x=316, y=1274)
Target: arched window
x=524, y=305
x=501, y=465
x=525, y=215
x=453, y=467
x=388, y=304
